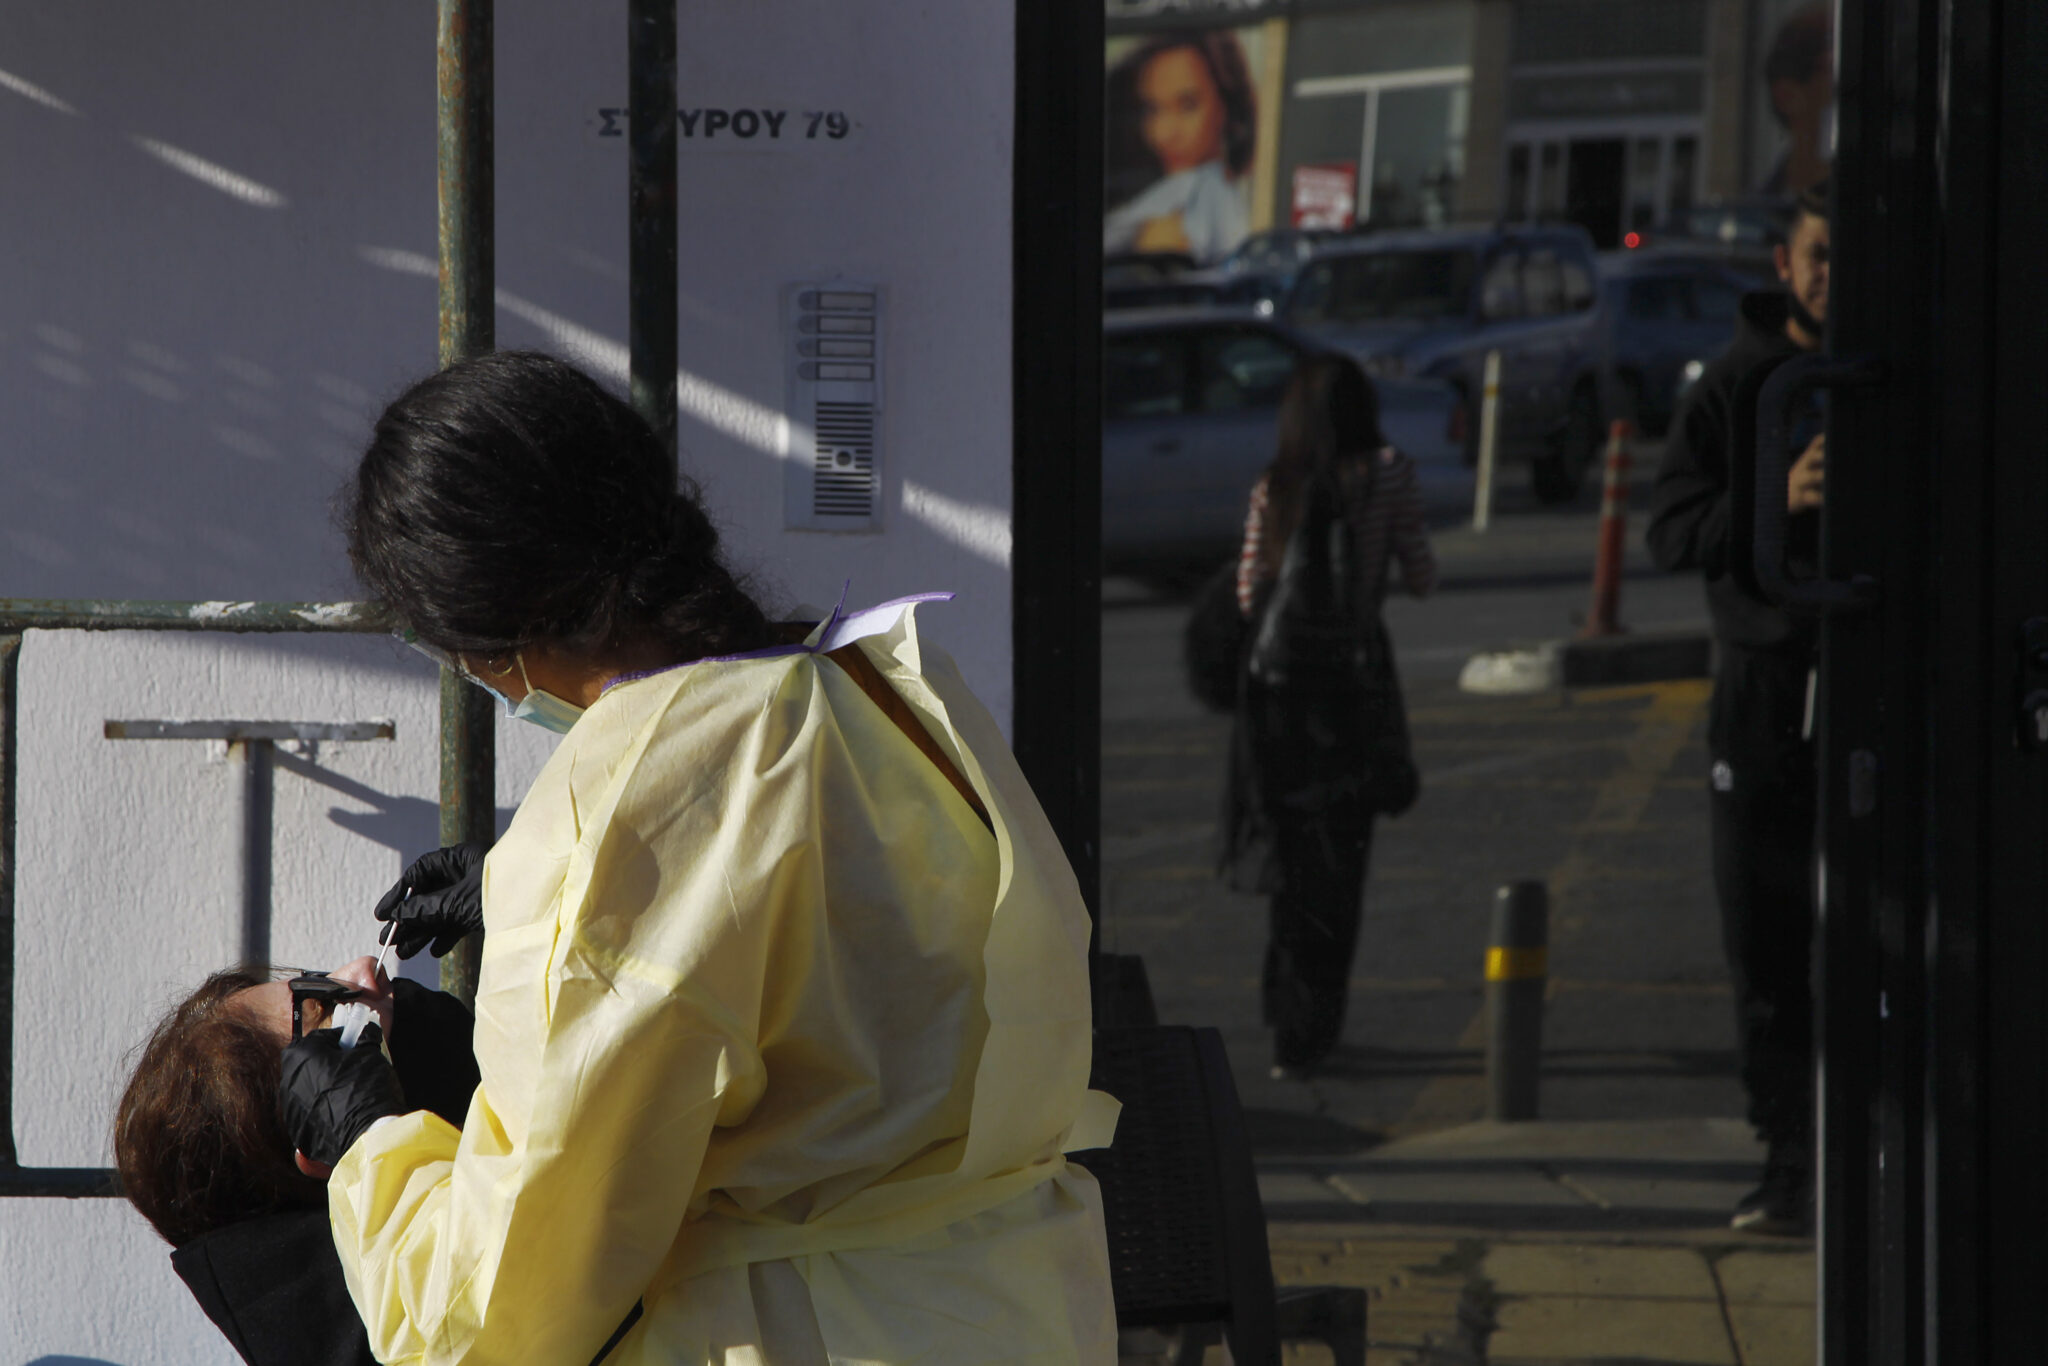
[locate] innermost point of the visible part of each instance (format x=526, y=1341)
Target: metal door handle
x=1789, y=383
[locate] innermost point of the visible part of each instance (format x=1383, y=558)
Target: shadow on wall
x=408, y=825
x=72, y=1361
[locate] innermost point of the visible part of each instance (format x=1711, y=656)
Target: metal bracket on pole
x=19, y=615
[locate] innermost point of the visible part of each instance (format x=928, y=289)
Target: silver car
x=1191, y=402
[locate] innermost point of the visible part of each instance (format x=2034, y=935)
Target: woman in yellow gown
x=783, y=1018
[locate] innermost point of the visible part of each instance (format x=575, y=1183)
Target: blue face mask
x=539, y=706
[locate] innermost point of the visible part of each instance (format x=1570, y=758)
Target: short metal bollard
x=1517, y=972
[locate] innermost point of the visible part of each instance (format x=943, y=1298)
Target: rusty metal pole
x=651, y=214
x=10, y=757
x=464, y=78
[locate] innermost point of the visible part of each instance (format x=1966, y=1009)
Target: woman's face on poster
x=1183, y=110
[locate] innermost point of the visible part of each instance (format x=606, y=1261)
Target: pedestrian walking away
x=1319, y=741
x=1763, y=793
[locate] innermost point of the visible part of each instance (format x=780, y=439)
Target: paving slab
x=1711, y=1200
x=1280, y=1189
x=1559, y=1328
x=1638, y=1273
x=1417, y=1193
x=1774, y=1334
x=1772, y=1278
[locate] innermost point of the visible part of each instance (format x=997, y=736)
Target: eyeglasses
x=408, y=636
x=320, y=989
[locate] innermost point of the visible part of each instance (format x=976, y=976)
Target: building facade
x=1616, y=114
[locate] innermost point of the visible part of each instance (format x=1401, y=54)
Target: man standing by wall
x=1759, y=731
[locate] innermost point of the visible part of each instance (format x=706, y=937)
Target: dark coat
x=1691, y=514
x=1302, y=754
x=273, y=1285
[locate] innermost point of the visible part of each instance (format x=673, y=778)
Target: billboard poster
x=1794, y=94
x=1182, y=110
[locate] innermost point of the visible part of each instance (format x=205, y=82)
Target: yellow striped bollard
x=1517, y=971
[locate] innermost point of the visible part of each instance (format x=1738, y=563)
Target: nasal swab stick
x=355, y=1014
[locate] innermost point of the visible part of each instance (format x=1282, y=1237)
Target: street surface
x=1601, y=794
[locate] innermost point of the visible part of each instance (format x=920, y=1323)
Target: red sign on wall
x=1326, y=194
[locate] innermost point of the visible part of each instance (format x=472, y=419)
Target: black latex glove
x=447, y=900
x=328, y=1095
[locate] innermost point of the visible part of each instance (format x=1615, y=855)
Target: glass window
x=1517, y=208
x=1659, y=299
x=1578, y=282
x=1685, y=153
x=1385, y=284
x=1716, y=299
x=1542, y=282
x=1645, y=183
x=1144, y=377
x=1418, y=155
x=1500, y=294
x=1241, y=369
x=1550, y=184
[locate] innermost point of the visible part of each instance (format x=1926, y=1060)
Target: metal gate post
x=651, y=214
x=465, y=77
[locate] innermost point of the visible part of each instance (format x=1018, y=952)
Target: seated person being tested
x=203, y=1155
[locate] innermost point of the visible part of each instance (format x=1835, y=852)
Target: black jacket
x=273, y=1285
x=1691, y=514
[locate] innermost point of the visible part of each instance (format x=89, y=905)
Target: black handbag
x=1323, y=660
x=1212, y=643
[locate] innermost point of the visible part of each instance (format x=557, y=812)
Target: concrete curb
x=1653, y=657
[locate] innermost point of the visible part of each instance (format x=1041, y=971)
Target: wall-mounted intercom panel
x=832, y=333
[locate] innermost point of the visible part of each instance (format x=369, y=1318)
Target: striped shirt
x=1386, y=518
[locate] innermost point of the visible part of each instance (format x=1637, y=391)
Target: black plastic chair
x=1187, y=1235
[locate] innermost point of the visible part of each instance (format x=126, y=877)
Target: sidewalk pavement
x=1544, y=1243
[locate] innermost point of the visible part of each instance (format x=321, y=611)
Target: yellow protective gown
x=775, y=1036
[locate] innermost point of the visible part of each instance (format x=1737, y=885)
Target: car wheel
x=1558, y=474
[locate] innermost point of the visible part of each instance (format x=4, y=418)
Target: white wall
x=191, y=351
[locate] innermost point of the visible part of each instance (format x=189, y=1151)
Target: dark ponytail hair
x=511, y=500
x=1330, y=413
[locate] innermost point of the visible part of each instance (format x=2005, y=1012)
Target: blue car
x=1191, y=404
x=1431, y=305
x=1666, y=311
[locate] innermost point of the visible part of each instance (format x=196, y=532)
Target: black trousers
x=1763, y=801
x=1312, y=934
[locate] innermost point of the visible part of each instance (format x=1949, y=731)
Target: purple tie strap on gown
x=834, y=632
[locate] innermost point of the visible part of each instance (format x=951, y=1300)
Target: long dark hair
x=1330, y=414
x=197, y=1138
x=511, y=500
x=1131, y=165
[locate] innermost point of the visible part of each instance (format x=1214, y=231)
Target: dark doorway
x=1593, y=186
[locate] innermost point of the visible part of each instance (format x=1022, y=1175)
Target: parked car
x=1154, y=279
x=1191, y=402
x=1664, y=310
x=1261, y=272
x=1432, y=304
x=1739, y=231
